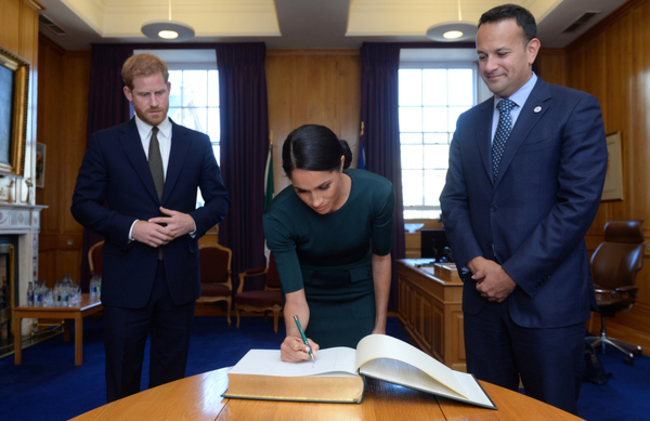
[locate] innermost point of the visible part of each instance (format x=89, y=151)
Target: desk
x=88, y=306
x=199, y=398
x=430, y=309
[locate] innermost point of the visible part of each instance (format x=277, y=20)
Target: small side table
x=87, y=307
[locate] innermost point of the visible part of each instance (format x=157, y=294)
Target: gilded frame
x=14, y=91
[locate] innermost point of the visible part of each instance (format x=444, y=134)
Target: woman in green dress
x=330, y=232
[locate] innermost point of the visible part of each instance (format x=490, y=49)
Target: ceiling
x=300, y=23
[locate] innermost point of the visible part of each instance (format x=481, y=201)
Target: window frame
x=429, y=211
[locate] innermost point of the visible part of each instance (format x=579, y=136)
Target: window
x=194, y=102
x=431, y=98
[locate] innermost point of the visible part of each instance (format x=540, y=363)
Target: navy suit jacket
x=533, y=218
x=115, y=172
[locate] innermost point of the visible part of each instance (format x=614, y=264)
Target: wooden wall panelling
x=612, y=62
x=312, y=86
x=639, y=115
x=62, y=126
x=50, y=133
x=10, y=24
x=551, y=65
x=348, y=96
x=279, y=83
x=314, y=91
x=619, y=95
x=29, y=50
x=19, y=35
x=77, y=66
x=28, y=39
x=50, y=128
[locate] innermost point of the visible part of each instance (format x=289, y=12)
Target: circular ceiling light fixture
x=453, y=31
x=168, y=30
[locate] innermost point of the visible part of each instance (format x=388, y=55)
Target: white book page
x=475, y=392
x=267, y=362
x=397, y=372
x=406, y=375
x=382, y=346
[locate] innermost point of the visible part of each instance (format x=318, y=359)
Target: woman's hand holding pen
x=296, y=310
x=294, y=350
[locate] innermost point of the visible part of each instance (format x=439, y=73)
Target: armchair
x=269, y=299
x=615, y=264
x=216, y=275
x=95, y=258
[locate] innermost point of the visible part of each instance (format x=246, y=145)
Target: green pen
x=304, y=338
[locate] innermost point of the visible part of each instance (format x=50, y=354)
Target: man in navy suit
x=147, y=172
x=516, y=215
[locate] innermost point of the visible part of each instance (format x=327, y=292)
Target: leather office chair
x=95, y=258
x=216, y=275
x=269, y=299
x=615, y=264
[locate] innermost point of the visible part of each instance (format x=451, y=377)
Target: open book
x=336, y=376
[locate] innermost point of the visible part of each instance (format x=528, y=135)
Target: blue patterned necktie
x=503, y=131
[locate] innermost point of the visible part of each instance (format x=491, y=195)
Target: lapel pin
x=537, y=110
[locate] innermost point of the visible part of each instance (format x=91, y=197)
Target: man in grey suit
x=523, y=187
x=147, y=171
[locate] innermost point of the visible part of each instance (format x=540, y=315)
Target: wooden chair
x=95, y=258
x=216, y=275
x=269, y=299
x=95, y=266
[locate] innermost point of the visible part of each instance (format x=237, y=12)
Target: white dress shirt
x=164, y=139
x=165, y=144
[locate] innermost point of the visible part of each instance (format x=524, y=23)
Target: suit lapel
x=533, y=110
x=132, y=144
x=484, y=127
x=177, y=154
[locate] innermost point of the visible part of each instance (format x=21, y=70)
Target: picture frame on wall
x=14, y=87
x=40, y=165
x=613, y=188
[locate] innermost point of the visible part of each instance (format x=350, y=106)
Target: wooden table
x=430, y=309
x=87, y=307
x=199, y=398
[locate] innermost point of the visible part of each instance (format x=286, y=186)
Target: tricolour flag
x=268, y=178
x=361, y=164
x=268, y=189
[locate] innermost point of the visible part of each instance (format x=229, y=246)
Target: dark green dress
x=330, y=255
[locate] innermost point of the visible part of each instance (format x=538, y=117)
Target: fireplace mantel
x=23, y=221
x=18, y=218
